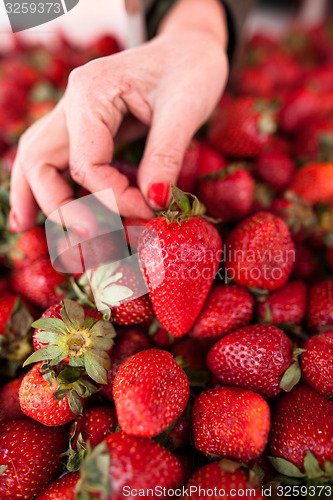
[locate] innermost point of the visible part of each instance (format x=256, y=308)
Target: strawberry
x=95, y=424
x=191, y=353
x=284, y=306
x=23, y=249
x=210, y=160
x=150, y=391
x=129, y=341
x=243, y=128
x=314, y=182
x=256, y=358
x=224, y=477
x=255, y=81
x=133, y=227
x=56, y=401
x=228, y=192
x=306, y=264
x=314, y=142
x=10, y=408
x=275, y=168
x=189, y=171
x=317, y=369
x=39, y=283
x=122, y=463
x=320, y=306
x=179, y=257
x=300, y=106
x=63, y=488
x=27, y=446
x=227, y=308
x=302, y=423
x=15, y=328
x=230, y=422
x=260, y=252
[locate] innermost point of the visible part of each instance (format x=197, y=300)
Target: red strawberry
x=260, y=252
x=150, y=391
x=191, y=353
x=320, y=306
x=314, y=141
x=25, y=248
x=227, y=308
x=10, y=408
x=210, y=160
x=39, y=283
x=274, y=168
x=38, y=399
x=302, y=423
x=286, y=305
x=134, y=464
x=95, y=424
x=243, y=128
x=227, y=193
x=231, y=422
x=317, y=368
x=31, y=454
x=189, y=171
x=306, y=264
x=179, y=256
x=255, y=81
x=63, y=488
x=129, y=341
x=133, y=227
x=300, y=106
x=225, y=477
x=255, y=358
x=314, y=182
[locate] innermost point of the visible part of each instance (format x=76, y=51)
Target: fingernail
x=158, y=195
x=13, y=222
x=81, y=231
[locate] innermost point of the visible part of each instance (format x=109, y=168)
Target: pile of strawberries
x=206, y=370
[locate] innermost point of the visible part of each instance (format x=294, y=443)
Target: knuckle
x=168, y=161
x=77, y=172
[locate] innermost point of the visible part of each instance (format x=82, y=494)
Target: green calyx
x=312, y=469
x=72, y=384
x=292, y=375
x=75, y=456
x=16, y=344
x=184, y=206
x=224, y=172
x=84, y=340
x=94, y=474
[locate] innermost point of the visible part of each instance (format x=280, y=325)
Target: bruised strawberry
x=314, y=182
x=284, y=306
x=225, y=477
x=179, y=257
x=243, y=128
x=133, y=464
x=150, y=391
x=40, y=283
x=63, y=488
x=129, y=341
x=10, y=408
x=227, y=308
x=231, y=422
x=274, y=168
x=255, y=357
x=302, y=423
x=320, y=306
x=227, y=193
x=317, y=369
x=260, y=252
x=34, y=448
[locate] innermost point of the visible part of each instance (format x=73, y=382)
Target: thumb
x=169, y=136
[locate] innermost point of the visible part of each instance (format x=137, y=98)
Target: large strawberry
x=150, y=391
x=256, y=358
x=227, y=308
x=122, y=464
x=10, y=408
x=242, y=128
x=226, y=478
x=317, y=367
x=314, y=182
x=179, y=256
x=284, y=306
x=231, y=422
x=302, y=423
x=228, y=192
x=30, y=458
x=260, y=252
x=22, y=249
x=320, y=306
x=63, y=488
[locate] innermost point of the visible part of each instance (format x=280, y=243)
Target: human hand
x=170, y=84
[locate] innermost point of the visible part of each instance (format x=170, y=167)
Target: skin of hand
x=171, y=84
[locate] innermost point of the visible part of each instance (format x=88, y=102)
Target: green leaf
x=45, y=353
x=96, y=367
x=103, y=329
x=291, y=376
x=285, y=467
x=88, y=322
x=49, y=338
x=74, y=313
x=311, y=466
x=3, y=468
x=50, y=324
x=181, y=199
x=76, y=362
x=101, y=344
x=69, y=375
x=75, y=403
x=61, y=393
